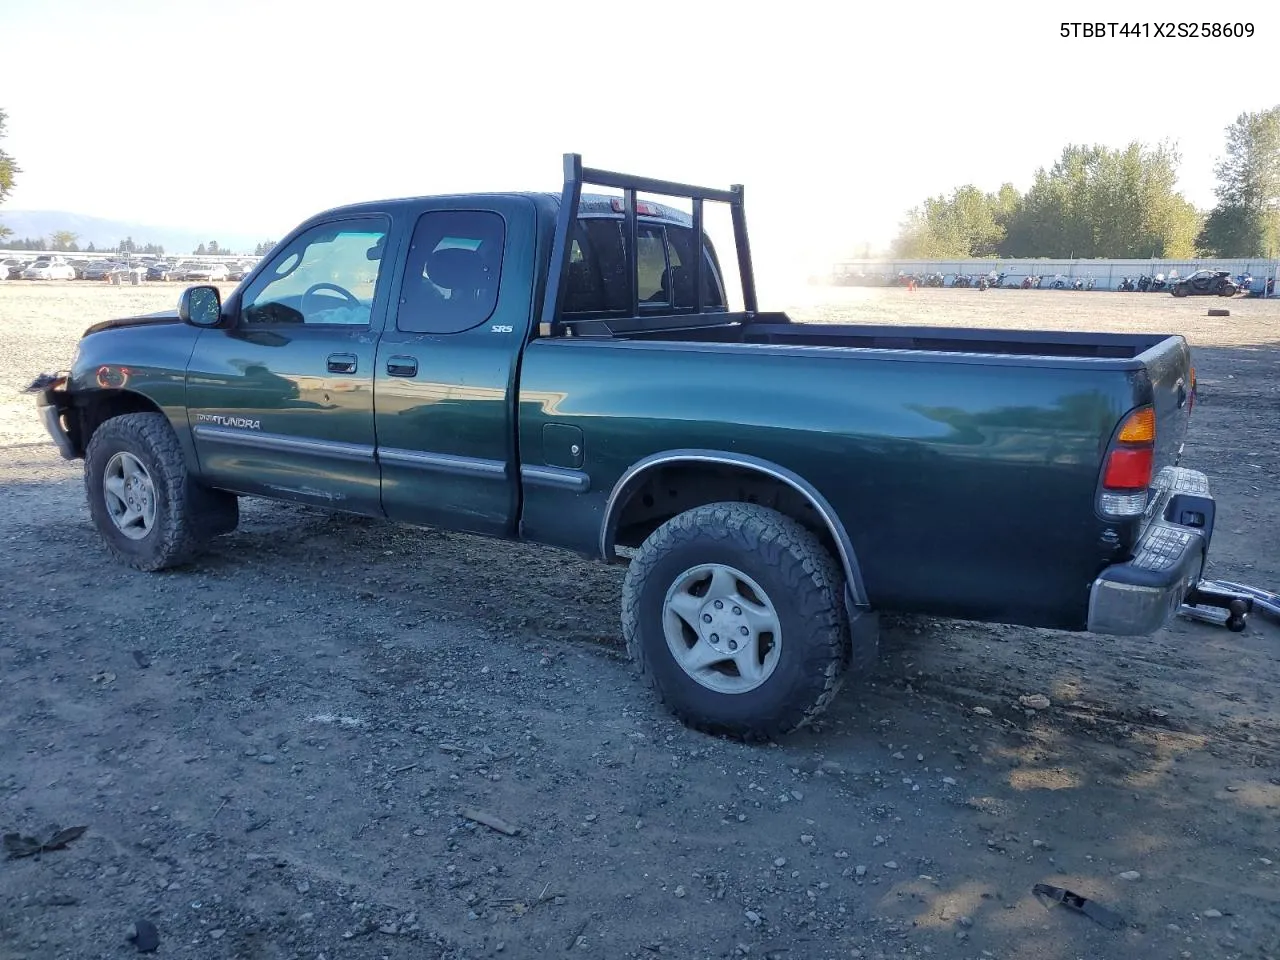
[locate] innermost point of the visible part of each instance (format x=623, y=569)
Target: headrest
x=456, y=268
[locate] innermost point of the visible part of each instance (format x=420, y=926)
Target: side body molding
x=635, y=474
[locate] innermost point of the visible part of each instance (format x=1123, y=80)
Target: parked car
x=211, y=272
x=511, y=365
x=1206, y=283
x=11, y=268
x=161, y=271
x=49, y=269
x=99, y=269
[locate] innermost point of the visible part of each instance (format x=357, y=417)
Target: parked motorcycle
x=1127, y=285
x=1158, y=283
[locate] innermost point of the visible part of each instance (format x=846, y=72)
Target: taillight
x=1128, y=469
x=1130, y=463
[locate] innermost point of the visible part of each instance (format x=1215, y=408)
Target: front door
x=281, y=402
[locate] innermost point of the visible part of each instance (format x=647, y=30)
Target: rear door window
x=452, y=271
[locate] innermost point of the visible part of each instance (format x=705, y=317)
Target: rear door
x=443, y=382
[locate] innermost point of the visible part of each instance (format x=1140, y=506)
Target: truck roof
x=590, y=204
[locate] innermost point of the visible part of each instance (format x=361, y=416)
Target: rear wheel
x=735, y=614
x=151, y=515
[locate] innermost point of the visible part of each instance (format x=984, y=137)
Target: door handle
x=342, y=363
x=402, y=366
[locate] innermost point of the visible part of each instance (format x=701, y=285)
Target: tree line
x=1101, y=202
x=214, y=249
x=64, y=241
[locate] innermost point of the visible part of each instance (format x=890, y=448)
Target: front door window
x=327, y=275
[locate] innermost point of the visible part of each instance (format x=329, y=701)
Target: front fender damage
x=53, y=403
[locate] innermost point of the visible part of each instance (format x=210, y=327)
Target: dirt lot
x=270, y=749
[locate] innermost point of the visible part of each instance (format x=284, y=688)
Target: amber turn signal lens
x=1139, y=426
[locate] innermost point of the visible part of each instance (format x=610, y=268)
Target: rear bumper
x=1140, y=596
x=50, y=404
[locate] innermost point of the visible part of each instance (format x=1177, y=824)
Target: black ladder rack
x=575, y=175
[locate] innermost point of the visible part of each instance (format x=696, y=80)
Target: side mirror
x=200, y=306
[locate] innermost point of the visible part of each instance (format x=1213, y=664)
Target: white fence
x=1106, y=274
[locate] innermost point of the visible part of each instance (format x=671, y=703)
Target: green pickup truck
x=567, y=369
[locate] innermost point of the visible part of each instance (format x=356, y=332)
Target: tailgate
x=1168, y=366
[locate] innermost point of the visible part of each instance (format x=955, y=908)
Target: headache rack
x=634, y=320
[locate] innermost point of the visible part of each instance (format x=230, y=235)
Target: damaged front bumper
x=1143, y=594
x=52, y=402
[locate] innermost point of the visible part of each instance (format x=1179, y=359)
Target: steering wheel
x=347, y=295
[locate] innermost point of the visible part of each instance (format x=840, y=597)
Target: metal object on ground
x=1073, y=901
x=1227, y=603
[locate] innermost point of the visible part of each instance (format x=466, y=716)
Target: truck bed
x=778, y=329
x=959, y=459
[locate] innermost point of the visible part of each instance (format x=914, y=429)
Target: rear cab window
x=597, y=274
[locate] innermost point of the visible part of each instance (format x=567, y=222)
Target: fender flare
x=635, y=474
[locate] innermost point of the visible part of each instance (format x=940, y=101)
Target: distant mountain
x=106, y=234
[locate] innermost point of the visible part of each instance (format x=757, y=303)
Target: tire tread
x=807, y=570
x=183, y=529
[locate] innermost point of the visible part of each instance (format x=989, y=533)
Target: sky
x=250, y=115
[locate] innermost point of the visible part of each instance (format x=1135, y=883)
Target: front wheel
x=735, y=613
x=1180, y=290
x=151, y=515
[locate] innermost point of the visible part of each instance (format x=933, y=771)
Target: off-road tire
x=805, y=587
x=187, y=514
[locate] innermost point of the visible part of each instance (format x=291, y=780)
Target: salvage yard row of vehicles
x=1208, y=282
x=141, y=268
x=567, y=369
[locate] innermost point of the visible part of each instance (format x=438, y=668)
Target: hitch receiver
x=1226, y=603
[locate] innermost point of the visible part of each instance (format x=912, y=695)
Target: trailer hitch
x=1228, y=604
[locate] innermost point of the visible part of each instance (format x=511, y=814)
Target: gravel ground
x=276, y=750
